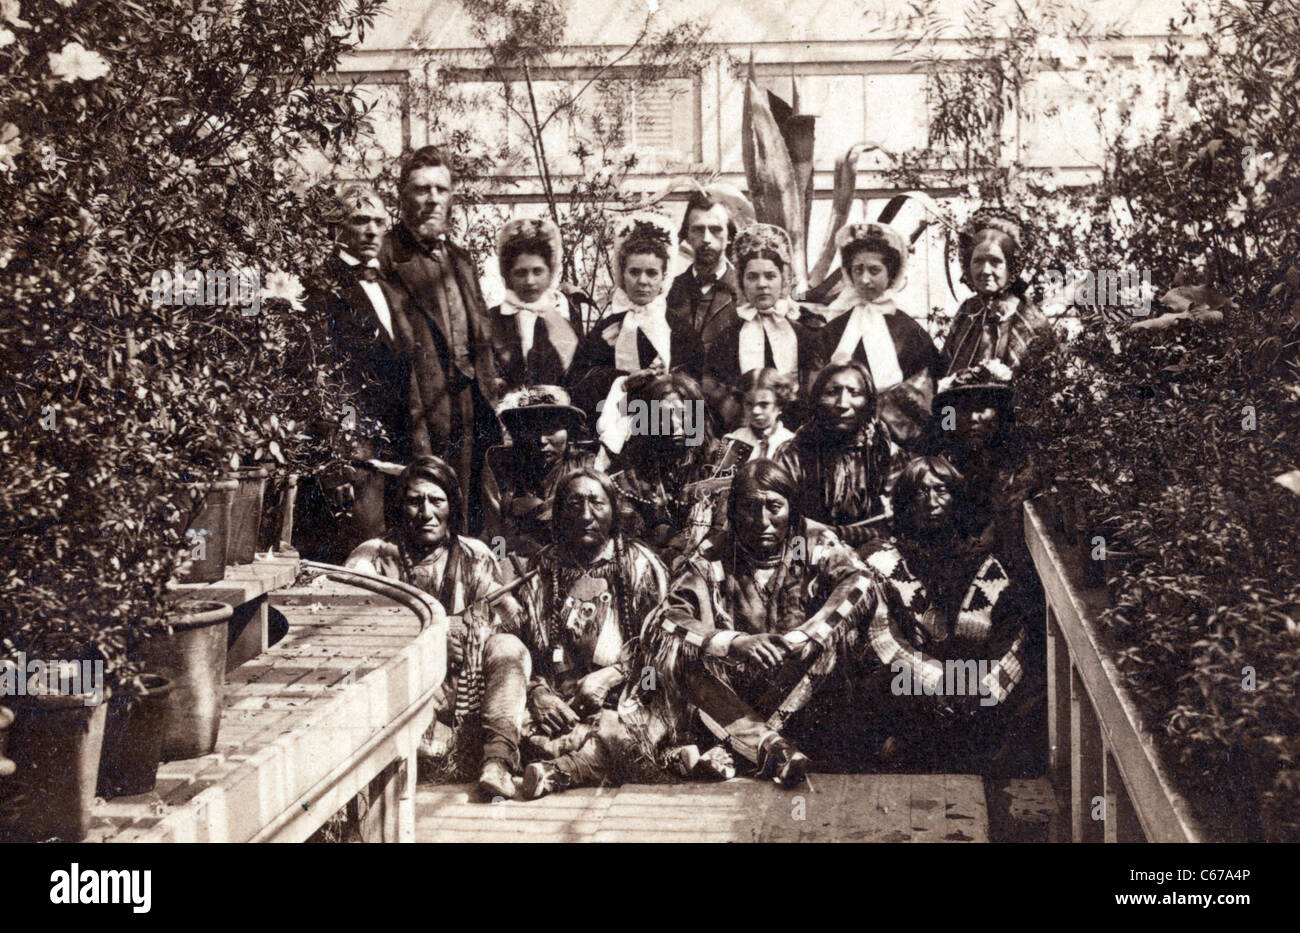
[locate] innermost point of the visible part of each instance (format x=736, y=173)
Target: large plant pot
x=6, y=720
x=133, y=736
x=246, y=515
x=193, y=658
x=212, y=524
x=55, y=744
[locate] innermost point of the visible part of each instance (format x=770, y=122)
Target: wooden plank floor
x=830, y=808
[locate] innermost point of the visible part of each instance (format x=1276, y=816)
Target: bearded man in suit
x=706, y=294
x=454, y=383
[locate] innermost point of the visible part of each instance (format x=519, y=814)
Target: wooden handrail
x=1100, y=748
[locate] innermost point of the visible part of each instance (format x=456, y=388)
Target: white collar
x=351, y=260
x=784, y=308
x=849, y=300
x=551, y=300
x=621, y=303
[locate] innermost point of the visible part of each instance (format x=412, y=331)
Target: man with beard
x=454, y=381
x=765, y=627
x=520, y=479
x=367, y=339
x=704, y=296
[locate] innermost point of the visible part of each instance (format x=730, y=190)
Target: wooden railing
x=1104, y=765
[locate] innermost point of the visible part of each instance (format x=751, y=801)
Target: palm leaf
x=770, y=172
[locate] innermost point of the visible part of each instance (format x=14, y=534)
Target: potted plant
x=127, y=376
x=133, y=737
x=191, y=655
x=54, y=742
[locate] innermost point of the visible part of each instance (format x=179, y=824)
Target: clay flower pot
x=54, y=742
x=193, y=658
x=133, y=739
x=212, y=525
x=245, y=514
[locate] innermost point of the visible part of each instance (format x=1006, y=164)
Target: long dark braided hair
x=621, y=577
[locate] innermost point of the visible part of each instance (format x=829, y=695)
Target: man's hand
x=595, y=687
x=551, y=713
x=455, y=647
x=767, y=651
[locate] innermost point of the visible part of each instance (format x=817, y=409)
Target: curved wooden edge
x=425, y=607
x=381, y=712
x=1163, y=812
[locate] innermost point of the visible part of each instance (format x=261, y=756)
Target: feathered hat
x=987, y=383
x=532, y=404
x=531, y=228
x=874, y=234
x=991, y=218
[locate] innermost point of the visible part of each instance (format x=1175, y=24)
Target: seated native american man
x=671, y=469
x=520, y=479
x=427, y=551
x=560, y=656
x=766, y=626
x=950, y=629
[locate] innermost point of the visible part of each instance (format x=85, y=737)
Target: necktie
x=367, y=274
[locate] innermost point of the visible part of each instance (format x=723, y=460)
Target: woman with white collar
x=871, y=329
x=767, y=333
x=634, y=334
x=533, y=335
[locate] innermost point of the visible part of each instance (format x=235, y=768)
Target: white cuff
x=720, y=644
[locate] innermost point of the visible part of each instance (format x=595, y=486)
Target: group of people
x=722, y=531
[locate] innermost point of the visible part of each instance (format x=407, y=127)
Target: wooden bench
x=337, y=707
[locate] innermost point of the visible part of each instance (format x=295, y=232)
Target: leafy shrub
x=1167, y=443
x=137, y=138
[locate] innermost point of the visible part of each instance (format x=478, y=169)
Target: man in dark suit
x=454, y=383
x=367, y=338
x=705, y=295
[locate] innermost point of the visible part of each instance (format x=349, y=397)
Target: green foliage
x=1164, y=442
x=1146, y=438
x=135, y=140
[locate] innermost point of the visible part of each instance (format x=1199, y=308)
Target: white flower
x=1236, y=214
x=10, y=146
x=9, y=13
x=284, y=285
x=998, y=370
x=6, y=37
x=76, y=62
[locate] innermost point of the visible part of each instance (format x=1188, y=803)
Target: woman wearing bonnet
x=533, y=335
x=999, y=321
x=872, y=329
x=634, y=333
x=766, y=334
